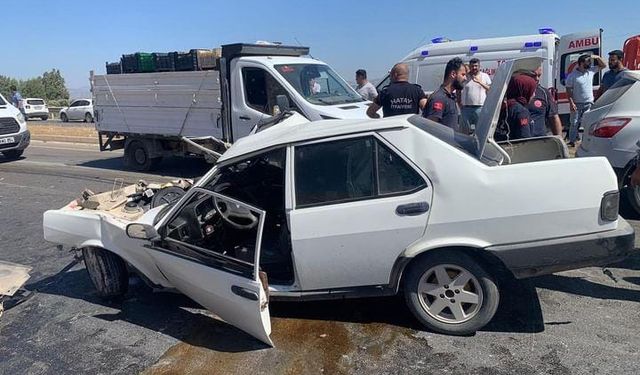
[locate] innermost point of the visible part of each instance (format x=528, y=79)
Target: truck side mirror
x=283, y=102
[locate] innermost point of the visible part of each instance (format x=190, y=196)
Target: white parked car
x=14, y=136
x=612, y=129
x=35, y=108
x=79, y=109
x=355, y=208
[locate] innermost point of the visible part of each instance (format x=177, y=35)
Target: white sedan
x=355, y=208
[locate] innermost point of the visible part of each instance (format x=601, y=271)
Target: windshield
x=318, y=84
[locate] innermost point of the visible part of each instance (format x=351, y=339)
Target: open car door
x=209, y=249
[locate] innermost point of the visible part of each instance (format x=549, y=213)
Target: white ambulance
x=427, y=62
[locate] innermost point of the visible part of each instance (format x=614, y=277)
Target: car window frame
x=377, y=138
x=161, y=227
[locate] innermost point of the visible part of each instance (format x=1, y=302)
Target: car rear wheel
x=88, y=118
x=44, y=118
x=63, y=117
x=13, y=154
x=107, y=271
x=449, y=292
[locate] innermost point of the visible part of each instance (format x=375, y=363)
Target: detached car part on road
x=355, y=208
x=14, y=136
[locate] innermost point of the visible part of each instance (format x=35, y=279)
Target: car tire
x=88, y=118
x=137, y=156
x=63, y=117
x=13, y=154
x=107, y=271
x=436, y=307
x=44, y=118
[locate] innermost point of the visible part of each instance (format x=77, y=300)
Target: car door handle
x=245, y=118
x=244, y=293
x=412, y=209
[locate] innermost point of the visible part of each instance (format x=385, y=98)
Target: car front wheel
x=88, y=118
x=449, y=292
x=107, y=271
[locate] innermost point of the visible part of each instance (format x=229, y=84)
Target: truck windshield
x=318, y=84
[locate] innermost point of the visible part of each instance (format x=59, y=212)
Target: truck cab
x=258, y=74
x=14, y=136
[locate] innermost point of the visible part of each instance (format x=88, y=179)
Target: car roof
x=631, y=74
x=283, y=133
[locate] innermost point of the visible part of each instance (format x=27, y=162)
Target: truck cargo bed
x=167, y=103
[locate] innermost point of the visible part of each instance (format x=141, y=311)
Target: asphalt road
x=575, y=322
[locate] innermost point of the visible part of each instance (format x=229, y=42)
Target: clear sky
x=80, y=36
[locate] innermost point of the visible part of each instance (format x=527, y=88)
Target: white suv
x=14, y=136
x=78, y=110
x=35, y=108
x=355, y=208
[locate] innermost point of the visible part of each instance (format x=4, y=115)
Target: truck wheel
x=137, y=157
x=450, y=293
x=63, y=117
x=13, y=154
x=107, y=271
x=88, y=118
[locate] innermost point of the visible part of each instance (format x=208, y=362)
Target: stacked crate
x=142, y=62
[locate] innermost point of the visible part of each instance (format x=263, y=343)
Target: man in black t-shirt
x=400, y=97
x=443, y=106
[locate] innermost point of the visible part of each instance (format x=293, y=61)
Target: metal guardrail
x=54, y=112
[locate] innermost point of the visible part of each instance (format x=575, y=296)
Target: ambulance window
x=385, y=82
x=568, y=62
x=430, y=76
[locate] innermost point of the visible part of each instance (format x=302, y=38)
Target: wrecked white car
x=354, y=208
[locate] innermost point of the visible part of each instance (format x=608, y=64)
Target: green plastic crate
x=146, y=62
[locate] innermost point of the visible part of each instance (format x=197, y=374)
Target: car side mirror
x=140, y=231
x=283, y=103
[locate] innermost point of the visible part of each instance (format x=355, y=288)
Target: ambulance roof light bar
x=546, y=30
x=440, y=39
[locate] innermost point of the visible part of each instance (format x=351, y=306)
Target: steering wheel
x=228, y=211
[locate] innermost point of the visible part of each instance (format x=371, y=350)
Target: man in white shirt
x=473, y=96
x=579, y=85
x=365, y=88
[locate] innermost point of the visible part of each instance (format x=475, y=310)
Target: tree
x=33, y=88
x=5, y=86
x=54, y=85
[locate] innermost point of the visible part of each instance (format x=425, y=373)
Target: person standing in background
x=473, y=95
x=613, y=74
x=365, y=88
x=400, y=97
x=16, y=99
x=579, y=86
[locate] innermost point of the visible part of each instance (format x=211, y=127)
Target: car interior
x=214, y=224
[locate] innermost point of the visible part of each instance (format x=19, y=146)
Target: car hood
x=488, y=118
x=8, y=110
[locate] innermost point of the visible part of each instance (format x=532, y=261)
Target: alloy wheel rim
x=450, y=293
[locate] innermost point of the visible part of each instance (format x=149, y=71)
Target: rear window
x=614, y=92
x=35, y=101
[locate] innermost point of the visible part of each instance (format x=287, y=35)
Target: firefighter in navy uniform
x=443, y=105
x=400, y=97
